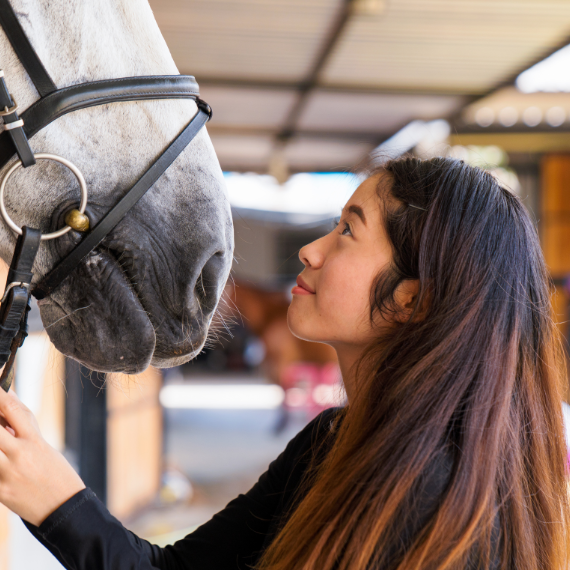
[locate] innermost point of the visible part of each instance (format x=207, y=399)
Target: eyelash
x=346, y=227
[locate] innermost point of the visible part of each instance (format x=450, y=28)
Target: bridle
x=14, y=139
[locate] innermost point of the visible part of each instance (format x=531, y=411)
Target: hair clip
x=424, y=209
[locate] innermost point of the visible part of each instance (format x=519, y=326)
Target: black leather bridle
x=54, y=103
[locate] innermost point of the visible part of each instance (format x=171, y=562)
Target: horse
x=147, y=294
x=264, y=312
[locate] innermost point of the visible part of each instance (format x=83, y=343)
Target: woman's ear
x=406, y=296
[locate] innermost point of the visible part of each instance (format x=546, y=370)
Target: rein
x=14, y=140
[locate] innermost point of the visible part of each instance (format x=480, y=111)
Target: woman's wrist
x=57, y=497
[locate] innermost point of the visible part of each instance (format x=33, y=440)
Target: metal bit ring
x=44, y=156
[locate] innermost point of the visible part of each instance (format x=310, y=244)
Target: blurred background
x=303, y=92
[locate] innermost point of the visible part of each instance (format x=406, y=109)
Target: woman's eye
x=336, y=223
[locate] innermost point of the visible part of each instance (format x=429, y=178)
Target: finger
x=8, y=441
x=4, y=465
x=5, y=424
x=18, y=416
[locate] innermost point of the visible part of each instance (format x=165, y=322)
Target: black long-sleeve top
x=83, y=535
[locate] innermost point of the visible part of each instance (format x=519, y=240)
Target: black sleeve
x=83, y=535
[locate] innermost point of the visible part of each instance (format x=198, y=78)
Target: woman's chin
x=300, y=332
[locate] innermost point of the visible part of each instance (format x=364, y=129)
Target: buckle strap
x=7, y=376
x=24, y=50
x=15, y=307
x=62, y=270
x=14, y=125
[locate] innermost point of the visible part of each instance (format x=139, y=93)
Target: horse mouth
x=97, y=318
x=173, y=344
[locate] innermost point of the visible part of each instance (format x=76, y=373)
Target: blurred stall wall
x=134, y=441
x=555, y=229
x=4, y=538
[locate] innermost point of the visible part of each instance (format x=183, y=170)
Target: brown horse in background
x=264, y=312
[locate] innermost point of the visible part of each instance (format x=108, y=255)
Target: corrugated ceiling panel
x=237, y=107
x=253, y=39
x=305, y=153
x=369, y=113
x=243, y=152
x=462, y=45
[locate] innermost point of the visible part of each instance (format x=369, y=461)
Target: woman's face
x=339, y=271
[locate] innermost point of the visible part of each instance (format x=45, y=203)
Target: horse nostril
x=210, y=279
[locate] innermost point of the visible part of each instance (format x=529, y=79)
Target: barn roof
x=317, y=84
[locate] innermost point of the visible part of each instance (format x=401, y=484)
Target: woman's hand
x=35, y=479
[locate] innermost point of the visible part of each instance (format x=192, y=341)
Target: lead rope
x=15, y=304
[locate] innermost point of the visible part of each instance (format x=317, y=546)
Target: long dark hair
x=475, y=373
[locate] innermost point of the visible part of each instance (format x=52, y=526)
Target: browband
x=68, y=99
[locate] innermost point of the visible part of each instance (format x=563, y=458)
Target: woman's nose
x=312, y=255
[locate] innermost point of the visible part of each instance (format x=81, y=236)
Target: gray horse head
x=148, y=293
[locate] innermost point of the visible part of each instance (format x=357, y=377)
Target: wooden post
x=134, y=428
x=554, y=225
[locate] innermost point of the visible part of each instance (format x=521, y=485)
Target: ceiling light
x=551, y=74
x=555, y=116
x=484, y=116
x=508, y=116
x=532, y=116
x=368, y=7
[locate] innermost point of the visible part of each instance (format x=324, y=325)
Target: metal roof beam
x=311, y=80
x=345, y=136
x=333, y=88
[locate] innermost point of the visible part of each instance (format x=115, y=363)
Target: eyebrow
x=354, y=209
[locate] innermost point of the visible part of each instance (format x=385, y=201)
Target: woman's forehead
x=367, y=195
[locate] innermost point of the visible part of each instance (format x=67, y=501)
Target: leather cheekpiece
x=24, y=50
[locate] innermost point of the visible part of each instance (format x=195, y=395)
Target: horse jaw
x=106, y=315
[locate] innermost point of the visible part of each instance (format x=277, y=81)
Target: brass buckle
x=12, y=109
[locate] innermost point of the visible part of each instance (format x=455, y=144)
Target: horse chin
x=96, y=318
x=169, y=362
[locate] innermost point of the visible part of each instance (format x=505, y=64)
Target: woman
x=450, y=454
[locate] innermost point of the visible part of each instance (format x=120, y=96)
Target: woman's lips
x=300, y=291
x=302, y=288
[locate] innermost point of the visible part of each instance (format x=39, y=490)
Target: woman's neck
x=347, y=356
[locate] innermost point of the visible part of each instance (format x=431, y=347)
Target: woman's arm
x=38, y=484
x=83, y=535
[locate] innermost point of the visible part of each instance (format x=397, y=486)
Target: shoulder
x=307, y=448
x=316, y=432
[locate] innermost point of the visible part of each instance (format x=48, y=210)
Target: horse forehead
x=80, y=41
